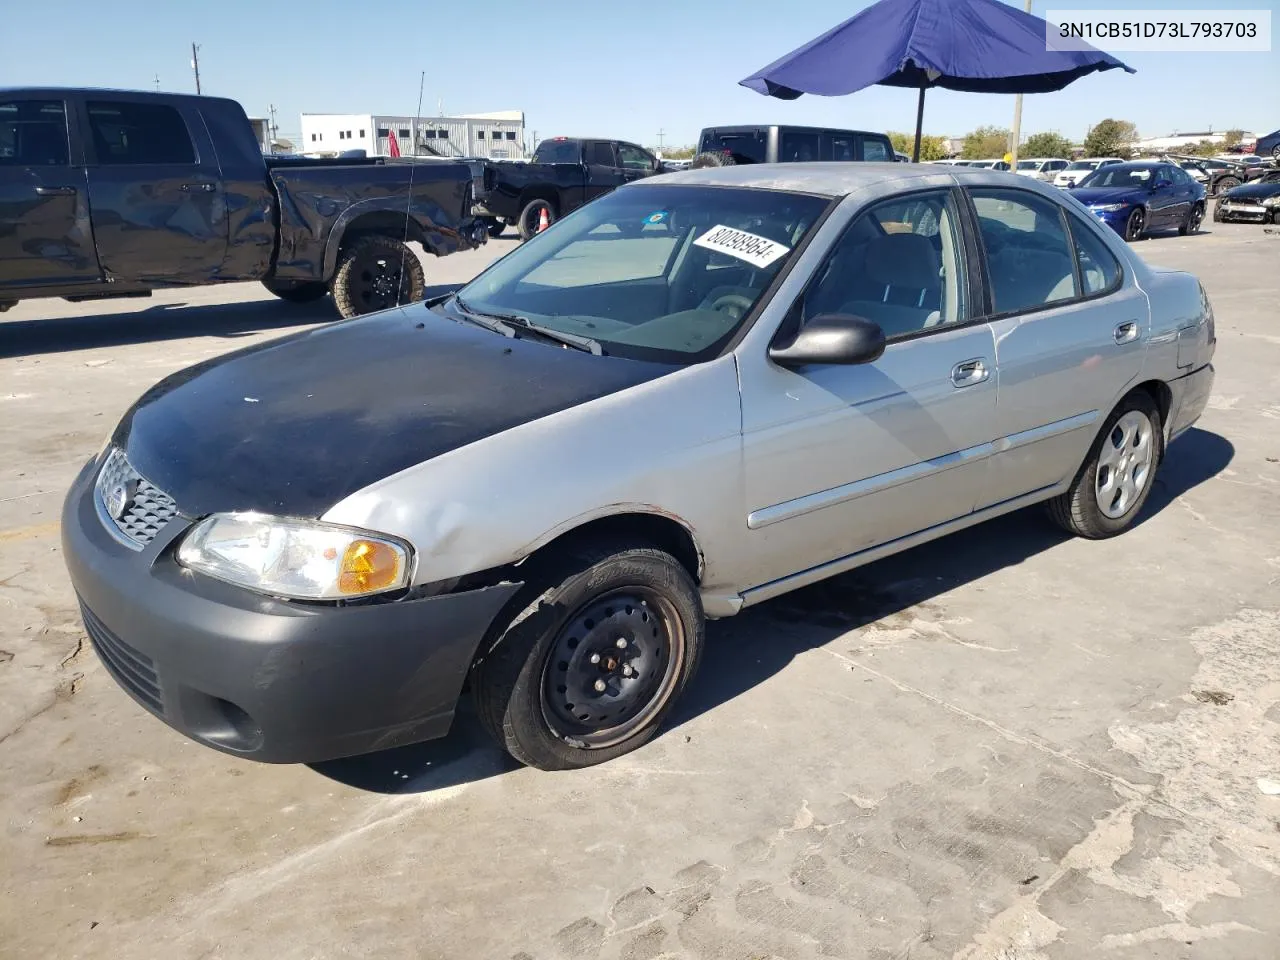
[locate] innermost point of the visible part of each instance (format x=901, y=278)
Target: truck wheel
x=495, y=227
x=590, y=668
x=712, y=160
x=376, y=273
x=1226, y=183
x=297, y=291
x=531, y=216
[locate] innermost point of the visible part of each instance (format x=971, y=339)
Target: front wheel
x=1136, y=225
x=590, y=668
x=376, y=273
x=1193, y=221
x=297, y=291
x=1217, y=212
x=530, y=222
x=1110, y=488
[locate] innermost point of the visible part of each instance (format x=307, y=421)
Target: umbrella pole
x=915, y=155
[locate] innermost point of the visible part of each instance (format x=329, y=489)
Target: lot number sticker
x=757, y=251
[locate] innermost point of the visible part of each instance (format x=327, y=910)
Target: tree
x=1046, y=145
x=1204, y=148
x=672, y=153
x=931, y=148
x=985, y=143
x=1232, y=138
x=1111, y=138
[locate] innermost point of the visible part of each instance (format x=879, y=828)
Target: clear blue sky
x=594, y=67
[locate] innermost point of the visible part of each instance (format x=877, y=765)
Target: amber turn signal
x=367, y=566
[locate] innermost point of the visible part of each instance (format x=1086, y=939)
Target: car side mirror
x=831, y=338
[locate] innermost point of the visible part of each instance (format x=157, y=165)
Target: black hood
x=294, y=425
x=1253, y=191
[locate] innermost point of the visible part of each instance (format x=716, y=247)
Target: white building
x=497, y=135
x=1180, y=141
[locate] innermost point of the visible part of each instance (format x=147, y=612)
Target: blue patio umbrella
x=979, y=46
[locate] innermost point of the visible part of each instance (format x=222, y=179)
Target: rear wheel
x=531, y=217
x=1136, y=225
x=590, y=668
x=1194, y=218
x=297, y=291
x=1115, y=480
x=376, y=273
x=1226, y=183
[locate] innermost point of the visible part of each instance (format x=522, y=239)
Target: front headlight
x=1110, y=207
x=1271, y=201
x=299, y=559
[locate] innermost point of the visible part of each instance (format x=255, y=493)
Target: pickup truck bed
x=112, y=193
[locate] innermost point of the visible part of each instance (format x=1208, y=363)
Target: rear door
x=45, y=234
x=159, y=207
x=1070, y=327
x=603, y=173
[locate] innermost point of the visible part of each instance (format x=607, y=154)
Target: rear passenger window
x=797, y=147
x=1099, y=269
x=600, y=154
x=842, y=148
x=875, y=150
x=1029, y=257
x=897, y=265
x=137, y=133
x=33, y=133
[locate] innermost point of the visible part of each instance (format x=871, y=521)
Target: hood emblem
x=119, y=498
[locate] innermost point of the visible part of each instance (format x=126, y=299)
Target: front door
x=159, y=209
x=45, y=235
x=1068, y=344
x=842, y=458
x=635, y=163
x=603, y=173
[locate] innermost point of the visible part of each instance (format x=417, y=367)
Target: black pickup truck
x=108, y=193
x=565, y=173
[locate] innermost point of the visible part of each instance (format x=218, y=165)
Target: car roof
x=756, y=127
x=832, y=179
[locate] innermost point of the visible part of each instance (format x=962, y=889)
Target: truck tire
x=376, y=273
x=712, y=160
x=1223, y=184
x=531, y=215
x=297, y=291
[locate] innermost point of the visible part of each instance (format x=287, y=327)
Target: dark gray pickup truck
x=107, y=193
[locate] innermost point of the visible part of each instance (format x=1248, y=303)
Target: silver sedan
x=690, y=396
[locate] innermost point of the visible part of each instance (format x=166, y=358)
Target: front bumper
x=1115, y=219
x=1248, y=213
x=261, y=678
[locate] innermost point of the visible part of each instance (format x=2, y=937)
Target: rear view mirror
x=832, y=338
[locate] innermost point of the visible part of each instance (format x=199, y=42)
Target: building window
x=384, y=132
x=404, y=133
x=479, y=134
x=348, y=134
x=428, y=134
x=313, y=138
x=442, y=134
x=511, y=134
x=340, y=134
x=361, y=134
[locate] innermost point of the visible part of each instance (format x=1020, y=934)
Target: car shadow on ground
x=159, y=322
x=748, y=649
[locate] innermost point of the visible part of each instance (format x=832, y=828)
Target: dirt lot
x=1006, y=744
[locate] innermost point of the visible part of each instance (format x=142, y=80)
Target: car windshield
x=1116, y=176
x=1084, y=165
x=745, y=146
x=1029, y=164
x=654, y=272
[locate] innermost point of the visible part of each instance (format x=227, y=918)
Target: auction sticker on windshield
x=755, y=250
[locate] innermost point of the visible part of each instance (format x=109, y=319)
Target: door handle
x=1126, y=332
x=56, y=191
x=969, y=372
x=198, y=187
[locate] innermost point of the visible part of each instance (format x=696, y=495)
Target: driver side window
x=898, y=264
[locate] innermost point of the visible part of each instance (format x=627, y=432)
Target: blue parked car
x=1269, y=146
x=1139, y=196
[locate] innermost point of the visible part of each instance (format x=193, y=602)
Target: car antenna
x=408, y=203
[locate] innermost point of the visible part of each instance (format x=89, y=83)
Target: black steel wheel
x=531, y=218
x=591, y=657
x=1194, y=218
x=1135, y=225
x=376, y=273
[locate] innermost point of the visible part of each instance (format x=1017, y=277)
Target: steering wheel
x=734, y=304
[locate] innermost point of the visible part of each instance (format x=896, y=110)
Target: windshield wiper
x=508, y=323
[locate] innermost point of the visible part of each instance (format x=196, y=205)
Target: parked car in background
x=107, y=193
x=1138, y=196
x=1217, y=175
x=728, y=146
x=993, y=164
x=1042, y=168
x=1257, y=202
x=546, y=481
x=565, y=173
x=1077, y=170
x=1268, y=146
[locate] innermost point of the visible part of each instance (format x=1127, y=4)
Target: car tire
x=1275, y=153
x=1226, y=183
x=376, y=273
x=1194, y=218
x=1111, y=486
x=564, y=641
x=1136, y=226
x=531, y=215
x=495, y=227
x=297, y=291
x=712, y=160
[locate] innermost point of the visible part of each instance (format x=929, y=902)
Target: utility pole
x=195, y=62
x=272, y=129
x=157, y=82
x=1017, y=118
x=661, y=134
